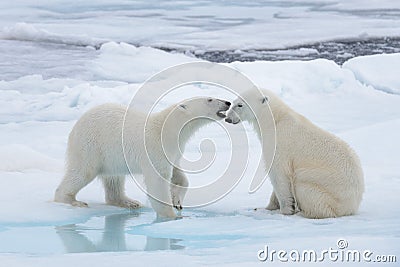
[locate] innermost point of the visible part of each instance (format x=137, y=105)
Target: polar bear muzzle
x=225, y=106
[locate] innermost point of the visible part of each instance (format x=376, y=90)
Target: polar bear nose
x=227, y=103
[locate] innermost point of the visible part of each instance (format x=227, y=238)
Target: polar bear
x=312, y=170
x=151, y=145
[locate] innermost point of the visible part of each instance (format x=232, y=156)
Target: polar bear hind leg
x=114, y=187
x=316, y=195
x=71, y=184
x=314, y=200
x=273, y=202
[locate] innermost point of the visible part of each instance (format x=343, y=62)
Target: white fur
x=95, y=148
x=313, y=170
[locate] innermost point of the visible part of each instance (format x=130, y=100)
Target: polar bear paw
x=176, y=202
x=289, y=208
x=177, y=205
x=80, y=204
x=128, y=203
x=272, y=206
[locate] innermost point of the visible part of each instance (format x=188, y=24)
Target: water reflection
x=78, y=238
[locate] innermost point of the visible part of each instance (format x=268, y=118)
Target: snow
x=59, y=59
x=27, y=32
x=380, y=71
x=19, y=157
x=34, y=129
x=127, y=57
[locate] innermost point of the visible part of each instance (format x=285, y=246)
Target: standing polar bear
x=312, y=170
x=98, y=146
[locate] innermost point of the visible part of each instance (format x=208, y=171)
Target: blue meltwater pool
x=125, y=231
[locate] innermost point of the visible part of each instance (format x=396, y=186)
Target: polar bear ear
x=264, y=100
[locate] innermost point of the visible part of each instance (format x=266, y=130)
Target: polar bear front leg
x=158, y=190
x=283, y=192
x=179, y=184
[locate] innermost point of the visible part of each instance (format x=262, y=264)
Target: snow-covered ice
x=377, y=70
x=58, y=60
x=34, y=128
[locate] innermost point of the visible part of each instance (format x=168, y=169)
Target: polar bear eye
x=209, y=100
x=240, y=105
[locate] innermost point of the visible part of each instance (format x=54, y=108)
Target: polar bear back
x=96, y=139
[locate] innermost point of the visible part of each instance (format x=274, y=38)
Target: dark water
x=338, y=51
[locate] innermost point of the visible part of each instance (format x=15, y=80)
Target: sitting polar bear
x=312, y=170
x=150, y=145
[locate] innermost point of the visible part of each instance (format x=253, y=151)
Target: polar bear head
x=182, y=120
x=204, y=107
x=247, y=106
x=186, y=117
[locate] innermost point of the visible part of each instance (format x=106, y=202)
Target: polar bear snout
x=232, y=117
x=237, y=112
x=225, y=106
x=230, y=120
